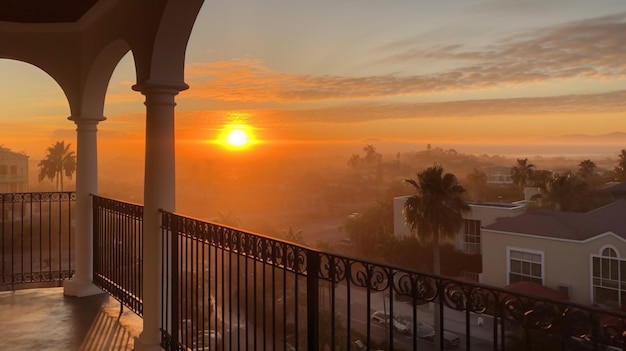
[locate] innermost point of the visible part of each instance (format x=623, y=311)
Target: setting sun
x=236, y=137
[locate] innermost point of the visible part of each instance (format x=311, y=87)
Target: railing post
x=312, y=300
x=172, y=236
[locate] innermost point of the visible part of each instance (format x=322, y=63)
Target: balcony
x=223, y=288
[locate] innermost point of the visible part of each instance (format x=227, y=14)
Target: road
x=454, y=321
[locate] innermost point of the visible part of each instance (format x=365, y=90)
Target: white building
x=481, y=214
x=13, y=171
x=580, y=254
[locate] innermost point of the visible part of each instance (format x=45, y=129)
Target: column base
x=80, y=288
x=141, y=344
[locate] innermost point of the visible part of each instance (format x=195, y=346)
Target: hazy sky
x=323, y=72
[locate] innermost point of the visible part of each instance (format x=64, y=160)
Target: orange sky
x=475, y=76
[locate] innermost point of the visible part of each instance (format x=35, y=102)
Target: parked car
x=381, y=317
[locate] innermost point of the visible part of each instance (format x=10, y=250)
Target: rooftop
x=568, y=225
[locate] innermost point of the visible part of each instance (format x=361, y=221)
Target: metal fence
x=228, y=289
x=36, y=233
x=118, y=247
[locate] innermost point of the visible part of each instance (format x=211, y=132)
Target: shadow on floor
x=45, y=319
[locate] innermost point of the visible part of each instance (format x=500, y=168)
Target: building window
x=609, y=278
x=471, y=236
x=525, y=266
x=4, y=169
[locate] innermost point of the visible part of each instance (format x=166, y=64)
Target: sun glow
x=236, y=137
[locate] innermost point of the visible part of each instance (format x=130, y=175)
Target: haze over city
x=346, y=175
x=323, y=79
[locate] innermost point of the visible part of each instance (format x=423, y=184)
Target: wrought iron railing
x=117, y=254
x=228, y=289
x=36, y=233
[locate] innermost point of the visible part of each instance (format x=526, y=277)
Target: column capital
x=87, y=119
x=153, y=86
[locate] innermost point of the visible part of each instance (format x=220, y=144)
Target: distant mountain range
x=611, y=138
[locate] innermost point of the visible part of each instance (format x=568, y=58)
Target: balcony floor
x=45, y=319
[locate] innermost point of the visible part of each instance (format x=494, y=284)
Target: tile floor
x=45, y=319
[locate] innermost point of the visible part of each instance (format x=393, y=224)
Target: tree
x=541, y=178
x=522, y=173
x=567, y=192
x=478, y=184
x=355, y=161
x=370, y=229
x=59, y=162
x=620, y=169
x=435, y=212
x=372, y=157
x=586, y=168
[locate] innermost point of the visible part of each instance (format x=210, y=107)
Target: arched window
x=609, y=278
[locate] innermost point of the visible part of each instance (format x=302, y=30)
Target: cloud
x=540, y=106
x=592, y=48
x=589, y=49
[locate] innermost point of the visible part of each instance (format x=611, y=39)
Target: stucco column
x=86, y=184
x=159, y=193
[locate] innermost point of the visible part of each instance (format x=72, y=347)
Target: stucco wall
x=564, y=262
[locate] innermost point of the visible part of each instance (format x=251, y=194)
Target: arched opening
x=121, y=138
x=33, y=117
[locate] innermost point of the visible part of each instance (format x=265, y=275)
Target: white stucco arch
x=98, y=77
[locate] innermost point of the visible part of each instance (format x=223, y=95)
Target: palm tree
x=60, y=162
x=566, y=192
x=372, y=158
x=435, y=212
x=522, y=173
x=586, y=168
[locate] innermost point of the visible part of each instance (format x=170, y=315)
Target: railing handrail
x=476, y=285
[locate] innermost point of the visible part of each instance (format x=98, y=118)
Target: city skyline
x=485, y=74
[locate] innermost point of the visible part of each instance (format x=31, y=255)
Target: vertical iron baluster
x=216, y=274
x=297, y=296
x=239, y=253
x=285, y=259
x=348, y=307
x=40, y=236
x=60, y=228
x=223, y=247
x=441, y=311
x=467, y=324
x=175, y=267
x=69, y=237
x=246, y=287
x=12, y=247
x=264, y=313
x=229, y=246
x=391, y=315
x=313, y=266
x=273, y=243
x=203, y=280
